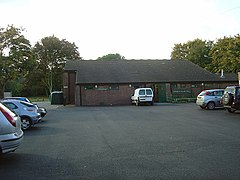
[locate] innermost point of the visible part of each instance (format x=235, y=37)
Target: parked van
x=142, y=95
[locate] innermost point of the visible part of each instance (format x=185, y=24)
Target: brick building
x=113, y=82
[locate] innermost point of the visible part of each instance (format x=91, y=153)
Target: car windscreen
x=6, y=108
x=148, y=92
x=207, y=93
x=238, y=91
x=142, y=92
x=230, y=90
x=27, y=104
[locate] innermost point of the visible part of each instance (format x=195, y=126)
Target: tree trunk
x=2, y=89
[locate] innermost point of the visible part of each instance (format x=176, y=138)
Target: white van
x=142, y=95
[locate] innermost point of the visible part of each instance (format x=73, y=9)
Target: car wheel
x=137, y=103
x=227, y=99
x=211, y=105
x=231, y=110
x=26, y=123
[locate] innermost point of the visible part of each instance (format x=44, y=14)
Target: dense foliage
x=111, y=57
x=16, y=57
x=226, y=54
x=32, y=71
x=51, y=55
x=213, y=56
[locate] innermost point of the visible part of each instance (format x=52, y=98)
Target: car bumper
x=200, y=103
x=42, y=111
x=10, y=142
x=36, y=119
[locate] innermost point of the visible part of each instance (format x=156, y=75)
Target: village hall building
x=99, y=82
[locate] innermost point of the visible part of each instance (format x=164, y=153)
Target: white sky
x=136, y=29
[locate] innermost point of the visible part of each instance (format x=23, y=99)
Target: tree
x=16, y=58
x=226, y=54
x=111, y=57
x=196, y=51
x=51, y=55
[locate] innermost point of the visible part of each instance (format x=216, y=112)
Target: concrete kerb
x=47, y=105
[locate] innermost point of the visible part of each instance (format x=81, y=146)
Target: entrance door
x=155, y=91
x=162, y=92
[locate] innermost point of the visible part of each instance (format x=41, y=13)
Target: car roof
x=143, y=88
x=232, y=86
x=18, y=98
x=16, y=101
x=214, y=90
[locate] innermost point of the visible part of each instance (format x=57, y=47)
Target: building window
x=209, y=86
x=102, y=88
x=88, y=87
x=180, y=85
x=114, y=87
x=196, y=85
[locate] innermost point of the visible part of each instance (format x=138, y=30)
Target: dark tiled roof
x=228, y=77
x=134, y=71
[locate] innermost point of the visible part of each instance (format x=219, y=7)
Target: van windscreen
x=142, y=92
x=149, y=92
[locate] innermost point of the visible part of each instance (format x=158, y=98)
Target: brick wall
x=65, y=86
x=94, y=96
x=69, y=79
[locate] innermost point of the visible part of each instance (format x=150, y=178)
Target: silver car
x=41, y=110
x=27, y=111
x=210, y=99
x=11, y=134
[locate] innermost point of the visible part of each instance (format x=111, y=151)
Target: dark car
x=231, y=98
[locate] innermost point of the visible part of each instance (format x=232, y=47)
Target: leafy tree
x=51, y=55
x=180, y=51
x=111, y=57
x=16, y=58
x=33, y=85
x=16, y=86
x=226, y=54
x=196, y=51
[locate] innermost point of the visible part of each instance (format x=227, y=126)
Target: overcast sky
x=136, y=29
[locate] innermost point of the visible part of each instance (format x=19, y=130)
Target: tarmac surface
x=164, y=141
x=47, y=105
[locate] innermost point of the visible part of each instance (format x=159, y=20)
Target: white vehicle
x=142, y=95
x=11, y=134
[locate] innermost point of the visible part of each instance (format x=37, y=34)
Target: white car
x=11, y=134
x=142, y=95
x=27, y=111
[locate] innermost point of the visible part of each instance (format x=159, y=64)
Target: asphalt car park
x=164, y=141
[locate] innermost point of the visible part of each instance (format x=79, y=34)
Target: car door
x=142, y=94
x=149, y=95
x=217, y=97
x=237, y=103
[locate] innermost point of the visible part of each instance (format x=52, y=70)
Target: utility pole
x=239, y=78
